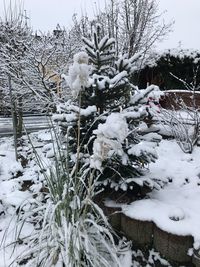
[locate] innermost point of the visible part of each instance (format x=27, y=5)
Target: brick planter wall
x=172, y=99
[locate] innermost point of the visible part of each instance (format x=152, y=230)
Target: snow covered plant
x=106, y=115
x=69, y=228
x=78, y=73
x=184, y=126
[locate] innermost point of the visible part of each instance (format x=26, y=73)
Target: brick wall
x=173, y=98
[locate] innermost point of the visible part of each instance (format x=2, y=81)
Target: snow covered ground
x=174, y=208
x=17, y=186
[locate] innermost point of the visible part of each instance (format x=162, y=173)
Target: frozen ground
x=179, y=198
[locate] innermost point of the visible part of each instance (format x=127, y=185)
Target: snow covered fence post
x=14, y=117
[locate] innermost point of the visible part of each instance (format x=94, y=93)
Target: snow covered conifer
x=109, y=86
x=104, y=119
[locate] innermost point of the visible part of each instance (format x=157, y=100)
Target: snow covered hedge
x=160, y=68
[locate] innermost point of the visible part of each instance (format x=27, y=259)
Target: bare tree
x=14, y=40
x=136, y=25
x=48, y=56
x=33, y=61
x=142, y=25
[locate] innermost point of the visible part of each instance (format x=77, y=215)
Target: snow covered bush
x=183, y=125
x=104, y=119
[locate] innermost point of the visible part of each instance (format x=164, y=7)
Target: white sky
x=45, y=14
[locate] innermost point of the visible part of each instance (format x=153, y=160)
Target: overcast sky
x=45, y=14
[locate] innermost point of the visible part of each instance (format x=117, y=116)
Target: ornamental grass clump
x=69, y=228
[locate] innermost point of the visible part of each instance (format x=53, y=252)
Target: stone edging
x=146, y=234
